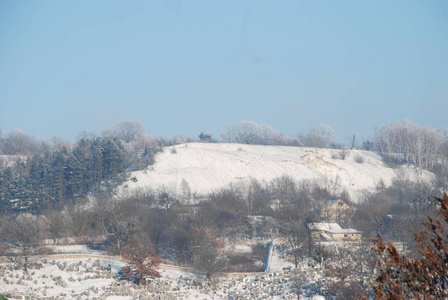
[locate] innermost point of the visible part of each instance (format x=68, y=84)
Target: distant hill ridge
x=207, y=167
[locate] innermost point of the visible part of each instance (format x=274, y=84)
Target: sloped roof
x=331, y=228
x=325, y=226
x=331, y=202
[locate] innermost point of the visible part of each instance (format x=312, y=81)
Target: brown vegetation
x=424, y=277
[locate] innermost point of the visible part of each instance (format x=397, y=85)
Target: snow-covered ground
x=208, y=167
x=64, y=278
x=93, y=275
x=95, y=278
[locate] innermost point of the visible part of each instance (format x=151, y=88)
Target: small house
x=333, y=232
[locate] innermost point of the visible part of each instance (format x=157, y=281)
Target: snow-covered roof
x=331, y=202
x=331, y=228
x=325, y=226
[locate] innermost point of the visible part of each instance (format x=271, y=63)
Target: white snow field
x=207, y=167
x=94, y=278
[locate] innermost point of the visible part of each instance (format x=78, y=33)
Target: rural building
x=336, y=211
x=333, y=232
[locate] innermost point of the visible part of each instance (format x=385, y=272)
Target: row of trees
x=419, y=145
x=133, y=134
x=249, y=132
x=43, y=181
x=43, y=174
x=399, y=142
x=19, y=142
x=406, y=142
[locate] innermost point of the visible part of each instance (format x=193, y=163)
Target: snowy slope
x=208, y=167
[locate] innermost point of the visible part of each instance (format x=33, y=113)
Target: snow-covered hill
x=209, y=167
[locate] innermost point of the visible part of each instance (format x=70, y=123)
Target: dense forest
x=42, y=181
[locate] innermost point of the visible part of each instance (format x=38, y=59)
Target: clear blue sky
x=185, y=66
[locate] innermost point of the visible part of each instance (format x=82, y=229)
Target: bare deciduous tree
x=320, y=136
x=249, y=132
x=208, y=259
x=257, y=198
x=58, y=225
x=259, y=251
x=26, y=235
x=126, y=131
x=299, y=242
x=406, y=142
x=186, y=190
x=283, y=190
x=18, y=142
x=119, y=224
x=84, y=135
x=165, y=198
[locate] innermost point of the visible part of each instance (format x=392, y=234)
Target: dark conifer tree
x=49, y=179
